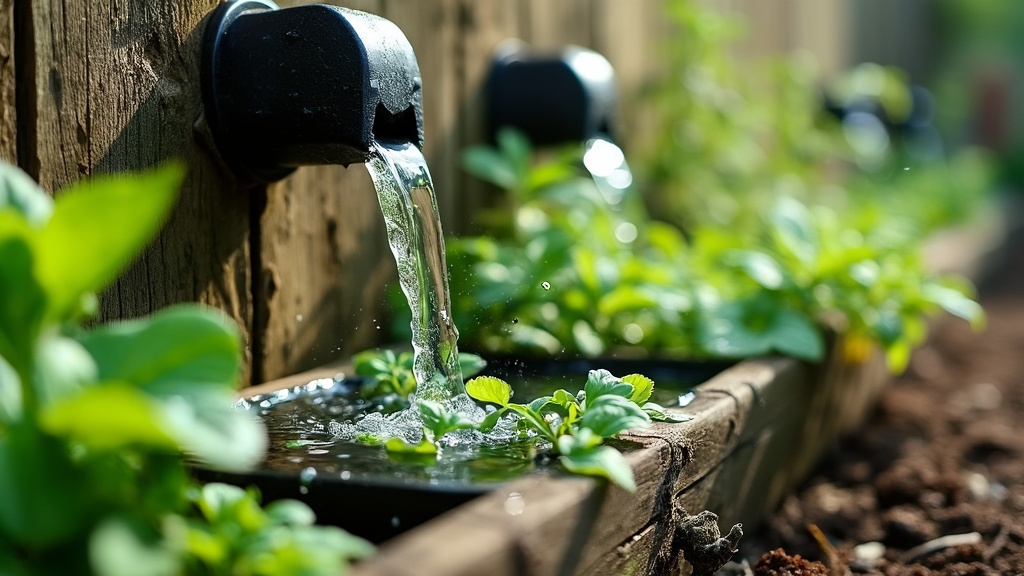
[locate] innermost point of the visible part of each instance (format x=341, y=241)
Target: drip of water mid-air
x=409, y=205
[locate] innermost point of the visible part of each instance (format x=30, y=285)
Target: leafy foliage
x=389, y=373
x=576, y=425
x=95, y=424
x=573, y=425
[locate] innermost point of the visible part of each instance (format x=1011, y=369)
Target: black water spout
x=552, y=97
x=313, y=84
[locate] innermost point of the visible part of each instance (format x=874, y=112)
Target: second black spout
x=313, y=84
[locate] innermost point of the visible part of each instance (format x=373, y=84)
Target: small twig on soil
x=939, y=544
x=835, y=566
x=1000, y=541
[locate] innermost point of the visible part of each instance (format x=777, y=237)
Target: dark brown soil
x=778, y=563
x=943, y=456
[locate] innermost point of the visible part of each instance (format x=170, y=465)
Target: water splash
x=407, y=200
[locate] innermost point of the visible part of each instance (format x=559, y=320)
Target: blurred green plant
x=386, y=372
x=559, y=279
x=96, y=423
x=739, y=136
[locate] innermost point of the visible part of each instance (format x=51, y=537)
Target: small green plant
x=96, y=423
x=576, y=425
x=573, y=426
x=386, y=372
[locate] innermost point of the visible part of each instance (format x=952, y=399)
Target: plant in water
x=572, y=426
x=386, y=372
x=576, y=425
x=96, y=423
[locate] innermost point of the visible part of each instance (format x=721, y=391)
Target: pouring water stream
x=409, y=206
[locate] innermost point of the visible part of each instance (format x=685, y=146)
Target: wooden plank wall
x=301, y=266
x=8, y=116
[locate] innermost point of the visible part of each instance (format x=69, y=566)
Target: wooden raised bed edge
x=758, y=429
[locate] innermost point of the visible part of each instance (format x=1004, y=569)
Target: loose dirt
x=934, y=482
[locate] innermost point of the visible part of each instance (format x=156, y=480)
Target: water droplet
x=395, y=521
x=905, y=168
x=303, y=490
x=307, y=475
x=515, y=320
x=317, y=452
x=298, y=317
x=515, y=504
x=346, y=475
x=545, y=285
x=686, y=399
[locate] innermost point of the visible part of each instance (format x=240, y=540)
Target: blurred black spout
x=553, y=98
x=311, y=84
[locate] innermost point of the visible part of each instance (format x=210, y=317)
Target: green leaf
x=109, y=416
x=97, y=226
x=186, y=358
x=10, y=395
x=515, y=147
x=489, y=389
x=956, y=303
x=180, y=347
x=601, y=382
x=227, y=505
x=642, y=387
x=660, y=414
x=116, y=549
x=760, y=267
x=490, y=166
x=609, y=415
x=23, y=302
x=62, y=367
x=587, y=339
x=489, y=422
x=471, y=364
x=723, y=332
x=600, y=461
x=399, y=446
x=20, y=193
x=534, y=420
x=441, y=421
x=794, y=334
x=42, y=502
x=793, y=230
x=374, y=362
x=290, y=513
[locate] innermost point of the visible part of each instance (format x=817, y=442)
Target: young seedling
x=576, y=425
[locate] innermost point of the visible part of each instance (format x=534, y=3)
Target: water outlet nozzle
x=552, y=97
x=313, y=84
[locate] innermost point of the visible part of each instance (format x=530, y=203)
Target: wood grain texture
x=8, y=110
x=115, y=88
x=483, y=24
x=555, y=24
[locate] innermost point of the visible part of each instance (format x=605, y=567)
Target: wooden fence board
x=8, y=111
x=554, y=24
x=115, y=88
x=483, y=24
